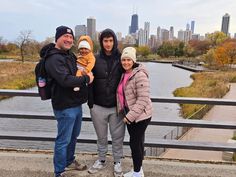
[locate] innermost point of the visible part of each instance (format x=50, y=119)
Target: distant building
x=146, y=32
x=206, y=35
x=159, y=35
x=129, y=40
x=192, y=26
x=202, y=38
x=165, y=34
x=171, y=33
x=91, y=28
x=187, y=26
x=187, y=35
x=80, y=30
x=225, y=24
x=119, y=36
x=153, y=41
x=134, y=24
x=181, y=35
x=196, y=36
x=97, y=36
x=141, y=39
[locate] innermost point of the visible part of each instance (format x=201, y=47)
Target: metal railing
x=153, y=143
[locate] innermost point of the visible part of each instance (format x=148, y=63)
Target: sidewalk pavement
x=217, y=113
x=39, y=164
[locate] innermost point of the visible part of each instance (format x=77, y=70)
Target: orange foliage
x=226, y=53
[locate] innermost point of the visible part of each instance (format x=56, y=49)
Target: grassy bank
x=206, y=85
x=16, y=75
x=6, y=56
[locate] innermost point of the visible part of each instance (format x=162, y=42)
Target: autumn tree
x=143, y=51
x=209, y=58
x=171, y=48
x=166, y=49
x=226, y=53
x=199, y=47
x=179, y=49
x=216, y=38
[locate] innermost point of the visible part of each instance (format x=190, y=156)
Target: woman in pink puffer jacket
x=135, y=106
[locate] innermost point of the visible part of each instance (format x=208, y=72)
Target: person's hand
x=91, y=77
x=84, y=72
x=126, y=121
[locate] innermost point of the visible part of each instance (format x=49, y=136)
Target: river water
x=164, y=80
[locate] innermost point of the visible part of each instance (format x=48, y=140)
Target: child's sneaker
x=118, y=170
x=97, y=166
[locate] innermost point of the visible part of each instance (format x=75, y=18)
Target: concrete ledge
x=226, y=155
x=39, y=164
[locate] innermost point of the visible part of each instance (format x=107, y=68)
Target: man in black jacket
x=67, y=104
x=102, y=102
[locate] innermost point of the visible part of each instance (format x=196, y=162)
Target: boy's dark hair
x=106, y=34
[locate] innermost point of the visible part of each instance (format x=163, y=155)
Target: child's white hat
x=84, y=44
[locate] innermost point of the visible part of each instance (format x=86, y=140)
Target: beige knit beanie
x=129, y=52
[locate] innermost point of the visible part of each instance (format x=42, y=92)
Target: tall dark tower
x=225, y=24
x=134, y=23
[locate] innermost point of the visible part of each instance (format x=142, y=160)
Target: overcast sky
x=43, y=16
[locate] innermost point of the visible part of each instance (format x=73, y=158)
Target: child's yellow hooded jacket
x=87, y=61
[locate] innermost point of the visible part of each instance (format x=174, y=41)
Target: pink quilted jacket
x=137, y=94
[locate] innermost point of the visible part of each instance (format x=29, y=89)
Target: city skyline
x=42, y=17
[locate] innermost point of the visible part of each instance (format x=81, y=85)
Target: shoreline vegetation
x=18, y=75
x=206, y=85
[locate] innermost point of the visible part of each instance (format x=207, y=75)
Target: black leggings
x=136, y=142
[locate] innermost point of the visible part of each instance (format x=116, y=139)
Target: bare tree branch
x=22, y=40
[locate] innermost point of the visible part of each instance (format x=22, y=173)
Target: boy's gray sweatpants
x=101, y=117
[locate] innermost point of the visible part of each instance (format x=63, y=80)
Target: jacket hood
x=88, y=39
x=140, y=67
x=49, y=49
x=115, y=50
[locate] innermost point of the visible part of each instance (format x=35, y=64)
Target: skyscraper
x=80, y=30
x=119, y=36
x=187, y=26
x=225, y=24
x=91, y=28
x=165, y=35
x=181, y=35
x=171, y=33
x=187, y=35
x=134, y=23
x=153, y=41
x=159, y=35
x=141, y=40
x=192, y=26
x=146, y=32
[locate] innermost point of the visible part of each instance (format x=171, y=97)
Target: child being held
x=85, y=59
